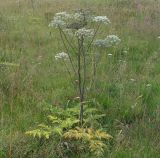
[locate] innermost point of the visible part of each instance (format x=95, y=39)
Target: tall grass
x=127, y=87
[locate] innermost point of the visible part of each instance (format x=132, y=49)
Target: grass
x=128, y=86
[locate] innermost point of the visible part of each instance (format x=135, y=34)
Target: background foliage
x=128, y=85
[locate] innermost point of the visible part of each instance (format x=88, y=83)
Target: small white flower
x=61, y=55
x=78, y=16
x=69, y=32
x=112, y=40
x=148, y=85
x=109, y=54
x=158, y=37
x=84, y=33
x=100, y=43
x=57, y=22
x=102, y=19
x=81, y=14
x=125, y=51
x=109, y=41
x=132, y=79
x=64, y=15
x=60, y=19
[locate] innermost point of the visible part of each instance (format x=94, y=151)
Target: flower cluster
x=60, y=19
x=63, y=15
x=57, y=22
x=112, y=40
x=69, y=32
x=64, y=19
x=78, y=16
x=102, y=19
x=109, y=41
x=100, y=43
x=84, y=33
x=61, y=55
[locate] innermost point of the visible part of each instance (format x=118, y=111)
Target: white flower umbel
x=78, y=16
x=112, y=40
x=109, y=41
x=84, y=33
x=100, y=43
x=63, y=15
x=69, y=32
x=57, y=22
x=101, y=19
x=62, y=55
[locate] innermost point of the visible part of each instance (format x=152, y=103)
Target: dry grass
x=26, y=40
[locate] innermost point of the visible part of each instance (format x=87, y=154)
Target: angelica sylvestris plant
x=78, y=33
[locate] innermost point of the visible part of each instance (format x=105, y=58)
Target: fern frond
x=58, y=130
x=39, y=133
x=96, y=117
x=54, y=119
x=69, y=123
x=97, y=147
x=73, y=134
x=90, y=110
x=45, y=127
x=102, y=135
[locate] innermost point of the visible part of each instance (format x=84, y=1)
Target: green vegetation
x=33, y=85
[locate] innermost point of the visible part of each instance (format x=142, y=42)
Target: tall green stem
x=81, y=94
x=70, y=59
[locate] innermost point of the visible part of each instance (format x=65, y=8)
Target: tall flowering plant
x=78, y=32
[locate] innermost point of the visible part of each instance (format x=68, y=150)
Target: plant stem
x=94, y=66
x=90, y=44
x=70, y=59
x=69, y=43
x=84, y=68
x=93, y=59
x=80, y=82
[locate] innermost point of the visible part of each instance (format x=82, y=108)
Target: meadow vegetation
x=125, y=102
